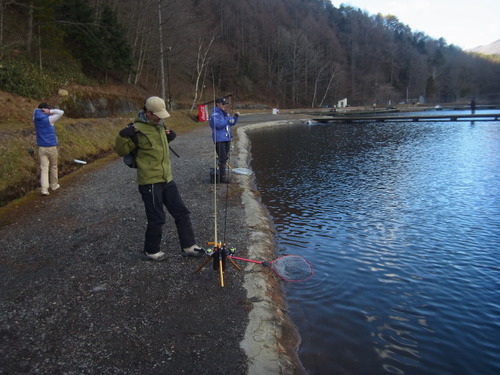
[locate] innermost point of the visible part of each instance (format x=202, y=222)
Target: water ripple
x=401, y=223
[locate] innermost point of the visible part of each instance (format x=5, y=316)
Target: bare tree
x=285, y=51
x=202, y=60
x=162, y=62
x=328, y=87
x=137, y=43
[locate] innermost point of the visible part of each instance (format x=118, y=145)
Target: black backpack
x=129, y=159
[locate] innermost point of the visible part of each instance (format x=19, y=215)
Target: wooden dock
x=409, y=118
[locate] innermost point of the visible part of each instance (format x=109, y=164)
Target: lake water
x=402, y=224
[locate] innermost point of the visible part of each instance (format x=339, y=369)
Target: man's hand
x=170, y=135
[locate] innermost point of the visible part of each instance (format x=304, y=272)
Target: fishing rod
x=218, y=253
x=213, y=101
x=175, y=153
x=291, y=268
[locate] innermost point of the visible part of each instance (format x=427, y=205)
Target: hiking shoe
x=55, y=187
x=157, y=257
x=45, y=192
x=193, y=251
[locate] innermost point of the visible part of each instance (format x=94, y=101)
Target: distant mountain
x=489, y=49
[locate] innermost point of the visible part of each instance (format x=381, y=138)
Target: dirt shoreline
x=79, y=297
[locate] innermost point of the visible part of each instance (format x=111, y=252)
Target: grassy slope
x=84, y=139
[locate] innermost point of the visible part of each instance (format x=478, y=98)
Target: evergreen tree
x=80, y=38
x=97, y=41
x=117, y=53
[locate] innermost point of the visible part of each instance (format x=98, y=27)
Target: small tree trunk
x=330, y=84
x=162, y=63
x=40, y=48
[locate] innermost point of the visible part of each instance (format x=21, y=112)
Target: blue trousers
x=155, y=196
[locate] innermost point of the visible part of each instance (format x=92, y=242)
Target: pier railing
x=410, y=118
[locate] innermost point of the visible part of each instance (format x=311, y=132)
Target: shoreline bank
x=271, y=339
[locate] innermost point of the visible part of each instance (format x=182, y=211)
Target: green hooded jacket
x=153, y=158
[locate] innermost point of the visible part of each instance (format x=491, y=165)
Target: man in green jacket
x=149, y=138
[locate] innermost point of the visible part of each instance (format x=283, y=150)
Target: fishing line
x=218, y=253
x=219, y=250
x=289, y=267
x=228, y=174
x=215, y=169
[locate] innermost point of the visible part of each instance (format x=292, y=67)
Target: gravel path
x=78, y=297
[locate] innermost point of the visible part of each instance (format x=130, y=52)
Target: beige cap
x=157, y=106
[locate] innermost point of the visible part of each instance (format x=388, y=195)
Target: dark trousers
x=155, y=196
x=222, y=149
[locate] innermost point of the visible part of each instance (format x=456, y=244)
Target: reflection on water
x=402, y=224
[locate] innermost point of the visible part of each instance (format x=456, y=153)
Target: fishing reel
x=209, y=252
x=219, y=254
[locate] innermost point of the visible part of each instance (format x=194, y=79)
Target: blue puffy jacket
x=44, y=125
x=221, y=124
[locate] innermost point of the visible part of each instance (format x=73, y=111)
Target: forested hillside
x=286, y=53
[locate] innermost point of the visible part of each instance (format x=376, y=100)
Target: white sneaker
x=55, y=187
x=45, y=192
x=192, y=251
x=158, y=257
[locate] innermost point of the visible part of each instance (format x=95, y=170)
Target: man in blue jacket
x=44, y=119
x=221, y=123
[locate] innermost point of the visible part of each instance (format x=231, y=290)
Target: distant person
x=473, y=105
x=44, y=119
x=221, y=123
x=154, y=176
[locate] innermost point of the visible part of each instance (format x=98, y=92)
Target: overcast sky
x=466, y=24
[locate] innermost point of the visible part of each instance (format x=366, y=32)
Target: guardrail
x=411, y=118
